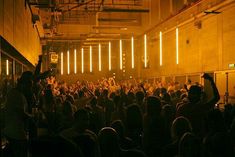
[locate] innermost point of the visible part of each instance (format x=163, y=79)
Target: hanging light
x=68, y=63
x=132, y=53
x=120, y=57
x=61, y=63
x=99, y=57
x=160, y=48
x=75, y=61
x=82, y=57
x=110, y=63
x=90, y=58
x=145, y=51
x=7, y=67
x=177, y=45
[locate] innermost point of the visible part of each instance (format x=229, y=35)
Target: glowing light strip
x=82, y=57
x=177, y=46
x=120, y=54
x=7, y=67
x=90, y=58
x=62, y=63
x=132, y=53
x=99, y=57
x=75, y=61
x=145, y=51
x=68, y=62
x=160, y=47
x=110, y=63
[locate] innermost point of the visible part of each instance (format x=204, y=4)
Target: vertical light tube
x=110, y=61
x=145, y=51
x=7, y=67
x=75, y=61
x=90, y=58
x=160, y=48
x=68, y=62
x=120, y=57
x=177, y=45
x=132, y=53
x=61, y=63
x=82, y=57
x=99, y=57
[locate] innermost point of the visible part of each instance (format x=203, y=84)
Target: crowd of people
x=44, y=117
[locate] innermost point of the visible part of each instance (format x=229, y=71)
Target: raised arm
x=215, y=98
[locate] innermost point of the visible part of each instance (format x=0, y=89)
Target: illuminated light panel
x=160, y=47
x=177, y=46
x=110, y=63
x=120, y=47
x=99, y=57
x=82, y=57
x=68, y=62
x=61, y=63
x=132, y=53
x=75, y=61
x=90, y=58
x=145, y=51
x=7, y=67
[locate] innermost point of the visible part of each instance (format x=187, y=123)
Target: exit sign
x=231, y=65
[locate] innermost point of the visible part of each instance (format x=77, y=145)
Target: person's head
x=180, y=126
x=119, y=127
x=153, y=106
x=93, y=102
x=67, y=108
x=194, y=94
x=133, y=116
x=81, y=119
x=26, y=80
x=108, y=140
x=139, y=96
x=189, y=145
x=105, y=93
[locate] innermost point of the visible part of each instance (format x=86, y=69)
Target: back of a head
x=86, y=144
x=153, y=106
x=26, y=79
x=81, y=118
x=133, y=115
x=105, y=93
x=67, y=108
x=93, y=102
x=108, y=140
x=119, y=127
x=180, y=126
x=189, y=146
x=215, y=121
x=139, y=96
x=194, y=93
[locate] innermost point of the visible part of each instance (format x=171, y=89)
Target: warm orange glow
x=132, y=53
x=75, y=61
x=99, y=57
x=82, y=57
x=120, y=47
x=160, y=47
x=61, y=63
x=110, y=63
x=68, y=63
